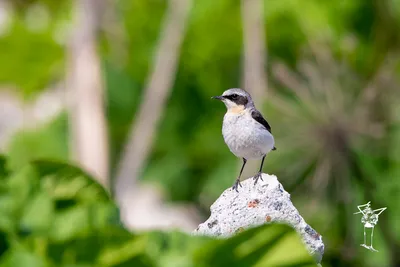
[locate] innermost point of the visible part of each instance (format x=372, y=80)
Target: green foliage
x=47, y=141
x=31, y=72
x=54, y=214
x=189, y=159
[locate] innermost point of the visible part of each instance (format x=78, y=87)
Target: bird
x=245, y=131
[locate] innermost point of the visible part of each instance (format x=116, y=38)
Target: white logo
x=369, y=220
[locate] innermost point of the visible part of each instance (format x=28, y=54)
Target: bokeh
x=122, y=89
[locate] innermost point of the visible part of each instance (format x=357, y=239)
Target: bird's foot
x=236, y=185
x=256, y=177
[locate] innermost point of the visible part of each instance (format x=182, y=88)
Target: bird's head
x=235, y=99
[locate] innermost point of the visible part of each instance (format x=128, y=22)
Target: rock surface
x=255, y=205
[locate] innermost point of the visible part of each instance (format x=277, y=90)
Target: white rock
x=255, y=205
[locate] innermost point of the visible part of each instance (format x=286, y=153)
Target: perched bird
x=245, y=131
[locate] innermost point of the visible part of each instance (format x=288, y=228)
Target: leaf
x=48, y=141
x=21, y=258
x=50, y=204
x=36, y=53
x=65, y=180
x=69, y=224
x=262, y=246
x=18, y=189
x=125, y=249
x=65, y=217
x=38, y=215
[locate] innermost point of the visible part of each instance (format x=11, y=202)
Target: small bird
x=245, y=131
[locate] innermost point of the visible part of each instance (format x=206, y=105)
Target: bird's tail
x=274, y=148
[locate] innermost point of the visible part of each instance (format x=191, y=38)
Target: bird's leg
x=237, y=182
x=258, y=175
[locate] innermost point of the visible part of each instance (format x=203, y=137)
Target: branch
x=255, y=79
x=154, y=101
x=254, y=54
x=85, y=92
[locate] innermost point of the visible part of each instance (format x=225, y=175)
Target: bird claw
x=256, y=177
x=236, y=185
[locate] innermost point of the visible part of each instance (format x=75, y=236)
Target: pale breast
x=246, y=137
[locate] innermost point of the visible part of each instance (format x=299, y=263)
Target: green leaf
x=64, y=180
x=262, y=246
x=21, y=258
x=65, y=217
x=49, y=141
x=38, y=214
x=69, y=224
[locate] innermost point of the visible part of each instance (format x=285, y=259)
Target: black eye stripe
x=232, y=97
x=238, y=99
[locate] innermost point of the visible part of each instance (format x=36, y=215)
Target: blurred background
x=122, y=89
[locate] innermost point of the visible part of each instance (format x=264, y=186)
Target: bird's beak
x=218, y=97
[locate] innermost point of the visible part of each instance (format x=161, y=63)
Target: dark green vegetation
x=53, y=214
x=335, y=112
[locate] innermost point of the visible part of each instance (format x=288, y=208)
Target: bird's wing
x=260, y=119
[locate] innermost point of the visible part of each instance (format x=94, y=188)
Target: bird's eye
x=235, y=96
